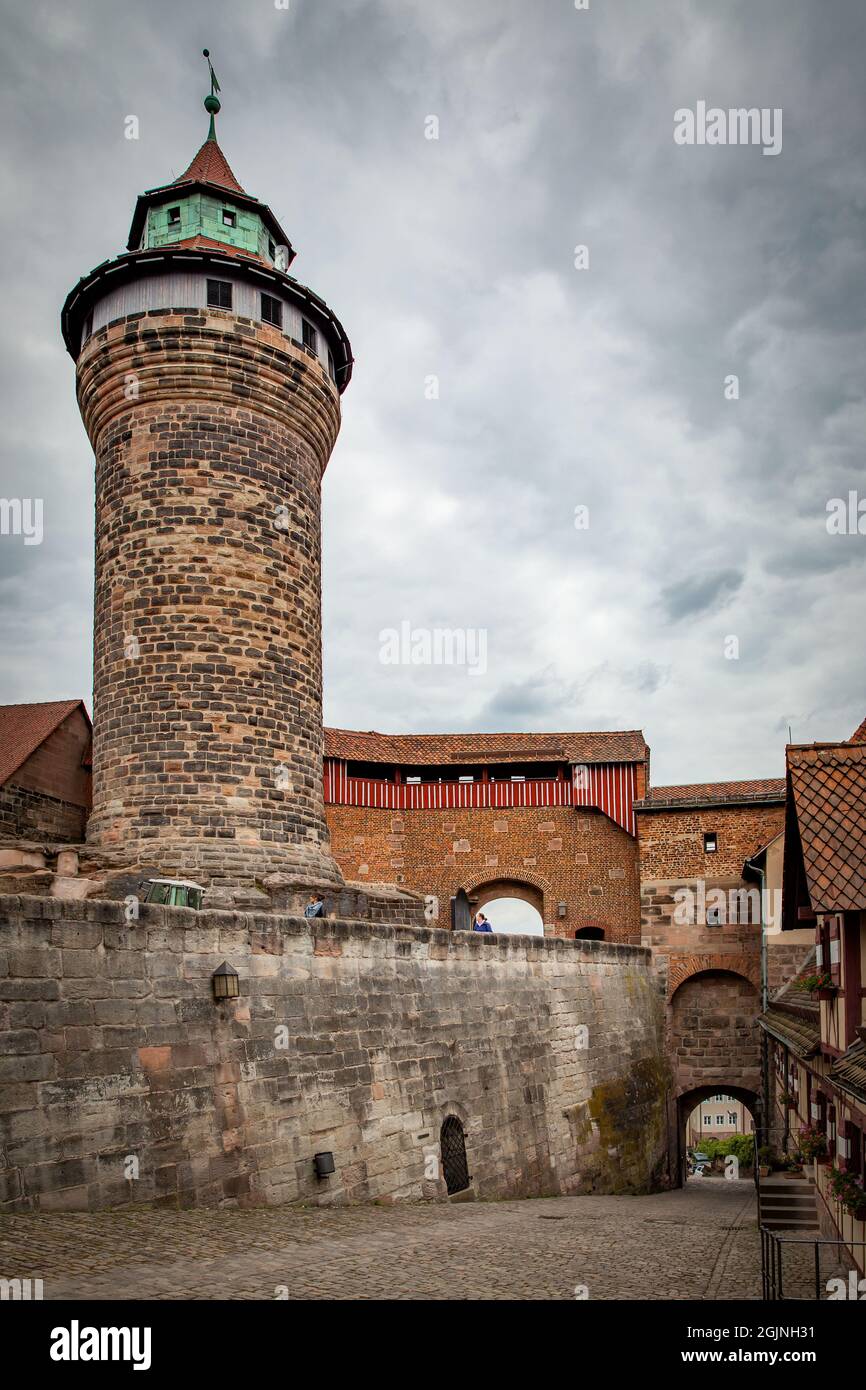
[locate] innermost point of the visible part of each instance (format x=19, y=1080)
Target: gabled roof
x=828, y=790
x=210, y=166
x=24, y=727
x=422, y=750
x=859, y=735
x=766, y=789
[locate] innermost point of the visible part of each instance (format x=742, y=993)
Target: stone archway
x=688, y=1100
x=683, y=967
x=713, y=1039
x=526, y=887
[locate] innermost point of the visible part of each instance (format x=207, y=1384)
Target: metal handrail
x=772, y=1288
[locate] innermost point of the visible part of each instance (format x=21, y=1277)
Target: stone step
x=788, y=1223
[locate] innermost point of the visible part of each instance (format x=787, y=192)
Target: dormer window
x=174, y=217
x=229, y=218
x=311, y=338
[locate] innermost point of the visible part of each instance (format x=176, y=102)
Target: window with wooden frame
x=219, y=294
x=272, y=310
x=311, y=337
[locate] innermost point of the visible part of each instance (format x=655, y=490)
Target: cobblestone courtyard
x=700, y=1243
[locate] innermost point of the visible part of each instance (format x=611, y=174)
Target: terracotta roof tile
x=859, y=735
x=207, y=243
x=797, y=1031
x=427, y=749
x=24, y=727
x=715, y=793
x=828, y=783
x=210, y=166
x=849, y=1071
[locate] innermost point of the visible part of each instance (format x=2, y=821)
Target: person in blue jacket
x=481, y=923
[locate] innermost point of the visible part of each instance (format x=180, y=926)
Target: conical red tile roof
x=210, y=166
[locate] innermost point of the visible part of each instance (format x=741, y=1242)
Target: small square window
x=219, y=294
x=711, y=842
x=272, y=311
x=311, y=337
x=229, y=218
x=174, y=217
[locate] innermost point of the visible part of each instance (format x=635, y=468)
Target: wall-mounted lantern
x=561, y=909
x=226, y=982
x=324, y=1164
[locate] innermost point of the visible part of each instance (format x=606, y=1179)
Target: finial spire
x=211, y=102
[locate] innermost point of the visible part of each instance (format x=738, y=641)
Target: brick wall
x=49, y=795
x=207, y=653
x=32, y=816
x=350, y=1038
x=579, y=857
x=672, y=841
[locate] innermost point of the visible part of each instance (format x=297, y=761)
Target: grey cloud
x=688, y=597
x=455, y=257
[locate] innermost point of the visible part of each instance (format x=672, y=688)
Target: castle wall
x=359, y=1039
x=579, y=857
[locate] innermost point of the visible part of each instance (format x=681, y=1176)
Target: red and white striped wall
x=611, y=787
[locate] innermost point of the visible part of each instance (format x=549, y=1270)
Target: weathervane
x=211, y=102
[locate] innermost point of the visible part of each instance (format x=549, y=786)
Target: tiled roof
x=207, y=243
x=798, y=1031
x=828, y=782
x=790, y=992
x=715, y=793
x=859, y=735
x=24, y=727
x=210, y=166
x=849, y=1072
x=427, y=749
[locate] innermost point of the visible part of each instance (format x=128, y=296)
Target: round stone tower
x=209, y=383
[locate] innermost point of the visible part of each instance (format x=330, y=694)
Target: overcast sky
x=558, y=387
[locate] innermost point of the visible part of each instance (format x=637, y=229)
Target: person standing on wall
x=481, y=923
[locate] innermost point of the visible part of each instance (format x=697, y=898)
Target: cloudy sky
x=558, y=388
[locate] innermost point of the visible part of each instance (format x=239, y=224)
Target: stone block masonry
x=211, y=433
x=123, y=1081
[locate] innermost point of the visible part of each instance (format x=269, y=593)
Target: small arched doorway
x=589, y=934
x=452, y=1147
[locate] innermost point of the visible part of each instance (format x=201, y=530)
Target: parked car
x=697, y=1162
x=173, y=892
